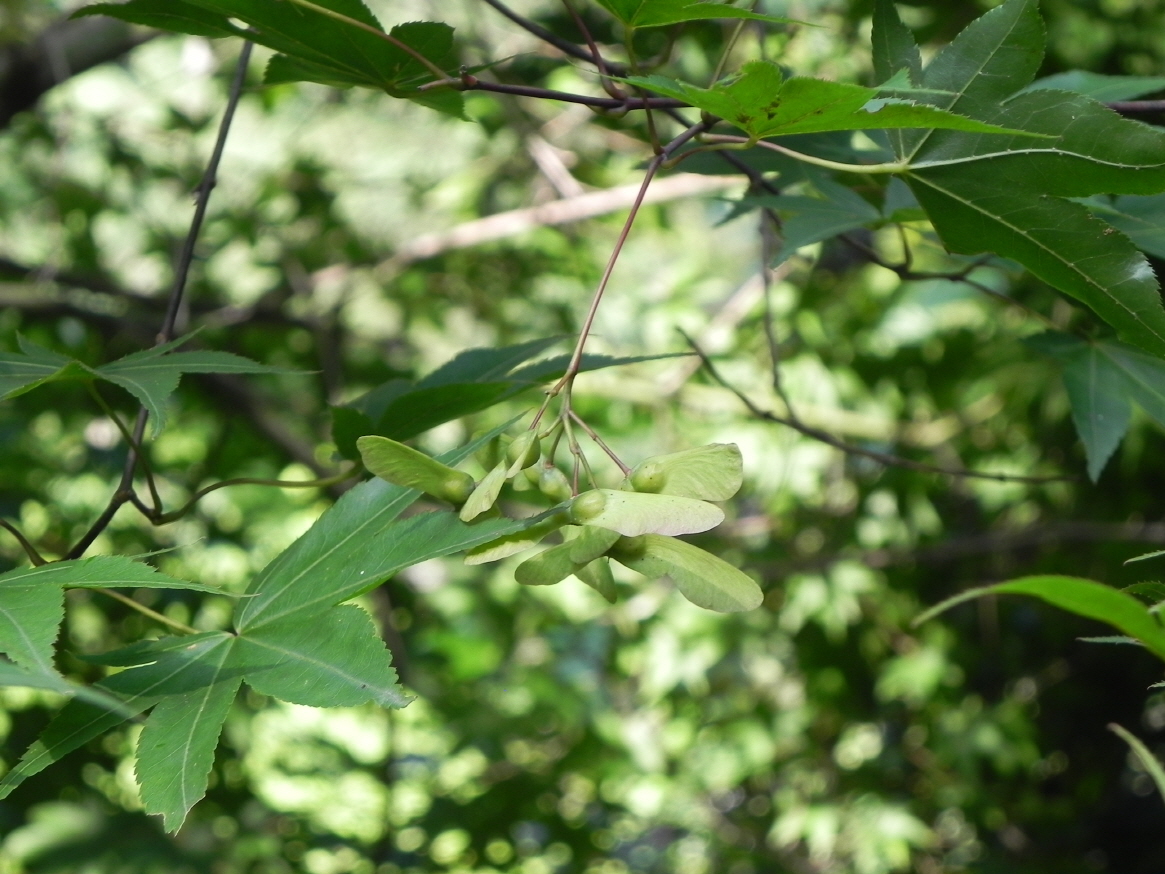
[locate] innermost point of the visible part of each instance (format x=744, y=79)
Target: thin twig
x=563, y=45
x=576, y=358
x=963, y=275
x=882, y=168
x=124, y=489
x=590, y=432
x=848, y=448
x=135, y=446
x=35, y=557
x=173, y=515
x=596, y=58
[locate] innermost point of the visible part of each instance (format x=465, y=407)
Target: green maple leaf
x=763, y=103
x=313, y=46
x=1007, y=195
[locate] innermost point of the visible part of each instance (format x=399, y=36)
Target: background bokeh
x=552, y=732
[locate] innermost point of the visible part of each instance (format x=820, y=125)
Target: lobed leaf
x=50, y=680
x=808, y=220
x=1099, y=86
x=32, y=600
x=894, y=47
x=175, y=750
x=1102, y=378
x=356, y=545
x=996, y=55
x=329, y=659
x=152, y=375
x=1059, y=241
x=175, y=672
x=760, y=101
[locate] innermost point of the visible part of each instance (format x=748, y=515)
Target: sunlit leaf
x=357, y=544
x=152, y=375
x=1082, y=597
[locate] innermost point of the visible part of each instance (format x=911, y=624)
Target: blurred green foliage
x=553, y=732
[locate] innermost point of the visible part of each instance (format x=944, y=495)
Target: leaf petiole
x=146, y=611
x=888, y=167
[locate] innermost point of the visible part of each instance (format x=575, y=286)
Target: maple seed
x=629, y=547
x=457, y=489
x=648, y=477
x=524, y=452
x=587, y=506
x=553, y=483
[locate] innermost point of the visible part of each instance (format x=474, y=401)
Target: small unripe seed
x=587, y=506
x=629, y=547
x=525, y=451
x=553, y=483
x=457, y=488
x=648, y=477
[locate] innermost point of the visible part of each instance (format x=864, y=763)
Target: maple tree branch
x=791, y=421
x=124, y=492
x=563, y=45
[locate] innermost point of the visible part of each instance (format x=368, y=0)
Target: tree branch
x=124, y=491
x=64, y=49
x=880, y=457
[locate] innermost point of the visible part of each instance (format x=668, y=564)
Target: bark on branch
x=63, y=49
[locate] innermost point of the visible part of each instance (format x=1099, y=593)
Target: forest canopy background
x=344, y=246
